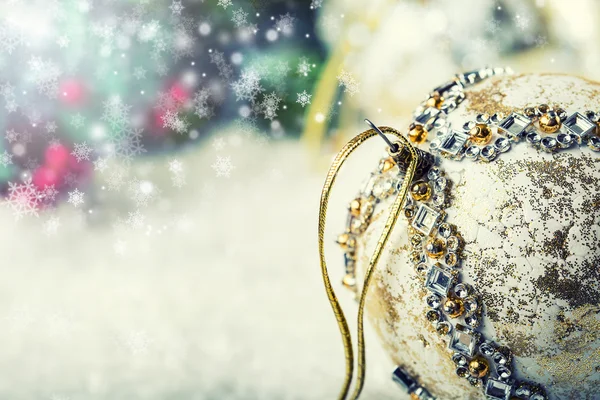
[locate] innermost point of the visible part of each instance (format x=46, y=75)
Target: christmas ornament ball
x=530, y=223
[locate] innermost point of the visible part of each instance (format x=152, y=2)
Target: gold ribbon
x=339, y=160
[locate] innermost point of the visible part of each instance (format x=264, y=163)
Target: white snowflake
x=522, y=22
x=175, y=166
x=135, y=219
x=176, y=7
x=304, y=67
x=303, y=98
x=270, y=105
x=314, y=4
x=48, y=193
x=77, y=121
x=51, y=225
x=248, y=86
x=347, y=80
x=23, y=199
x=139, y=73
x=81, y=151
x=224, y=3
x=223, y=166
x=76, y=198
x=63, y=41
x=239, y=17
x=6, y=159
x=202, y=108
x=142, y=192
x=50, y=127
x=285, y=24
x=218, y=143
x=100, y=164
x=178, y=180
x=12, y=136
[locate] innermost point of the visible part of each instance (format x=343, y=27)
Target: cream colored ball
x=531, y=225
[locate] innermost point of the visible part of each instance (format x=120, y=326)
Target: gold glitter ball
x=454, y=307
x=387, y=164
x=478, y=367
x=346, y=241
x=549, y=122
x=421, y=191
x=355, y=207
x=435, y=248
x=349, y=281
x=435, y=101
x=481, y=134
x=443, y=328
x=417, y=134
x=432, y=316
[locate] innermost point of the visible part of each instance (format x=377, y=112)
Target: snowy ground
x=220, y=298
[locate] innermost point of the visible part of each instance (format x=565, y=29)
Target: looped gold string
x=339, y=160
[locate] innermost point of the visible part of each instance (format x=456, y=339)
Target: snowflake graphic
x=493, y=26
x=81, y=151
x=6, y=159
x=63, y=41
x=76, y=198
x=540, y=41
x=135, y=219
x=23, y=199
x=270, y=105
x=202, y=108
x=224, y=3
x=248, y=86
x=11, y=136
x=285, y=24
x=50, y=226
x=175, y=166
x=239, y=17
x=223, y=166
x=50, y=127
x=176, y=7
x=178, y=180
x=304, y=67
x=225, y=69
x=522, y=22
x=350, y=84
x=77, y=121
x=139, y=73
x=48, y=193
x=100, y=164
x=218, y=143
x=142, y=192
x=314, y=4
x=303, y=98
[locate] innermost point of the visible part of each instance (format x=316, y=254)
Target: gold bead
x=349, y=281
x=355, y=207
x=346, y=241
x=549, y=123
x=454, y=307
x=387, y=164
x=435, y=101
x=443, y=328
x=481, y=134
x=433, y=315
x=478, y=367
x=417, y=134
x=420, y=191
x=435, y=248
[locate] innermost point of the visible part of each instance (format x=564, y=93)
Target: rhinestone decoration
x=454, y=307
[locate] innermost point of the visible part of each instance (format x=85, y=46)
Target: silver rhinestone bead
x=472, y=152
x=503, y=372
x=438, y=199
x=592, y=116
x=523, y=390
x=439, y=123
x=445, y=230
x=451, y=259
x=440, y=184
x=549, y=144
x=537, y=396
x=562, y=114
x=453, y=243
x=471, y=305
x=443, y=328
x=496, y=118
x=488, y=153
x=433, y=300
x=533, y=138
x=487, y=348
x=594, y=143
x=459, y=359
x=433, y=173
x=483, y=118
x=434, y=145
x=467, y=126
x=474, y=381
x=499, y=358
x=463, y=372
x=472, y=321
x=461, y=290
x=502, y=144
x=422, y=269
x=564, y=140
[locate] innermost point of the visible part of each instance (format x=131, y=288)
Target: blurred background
x=160, y=171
